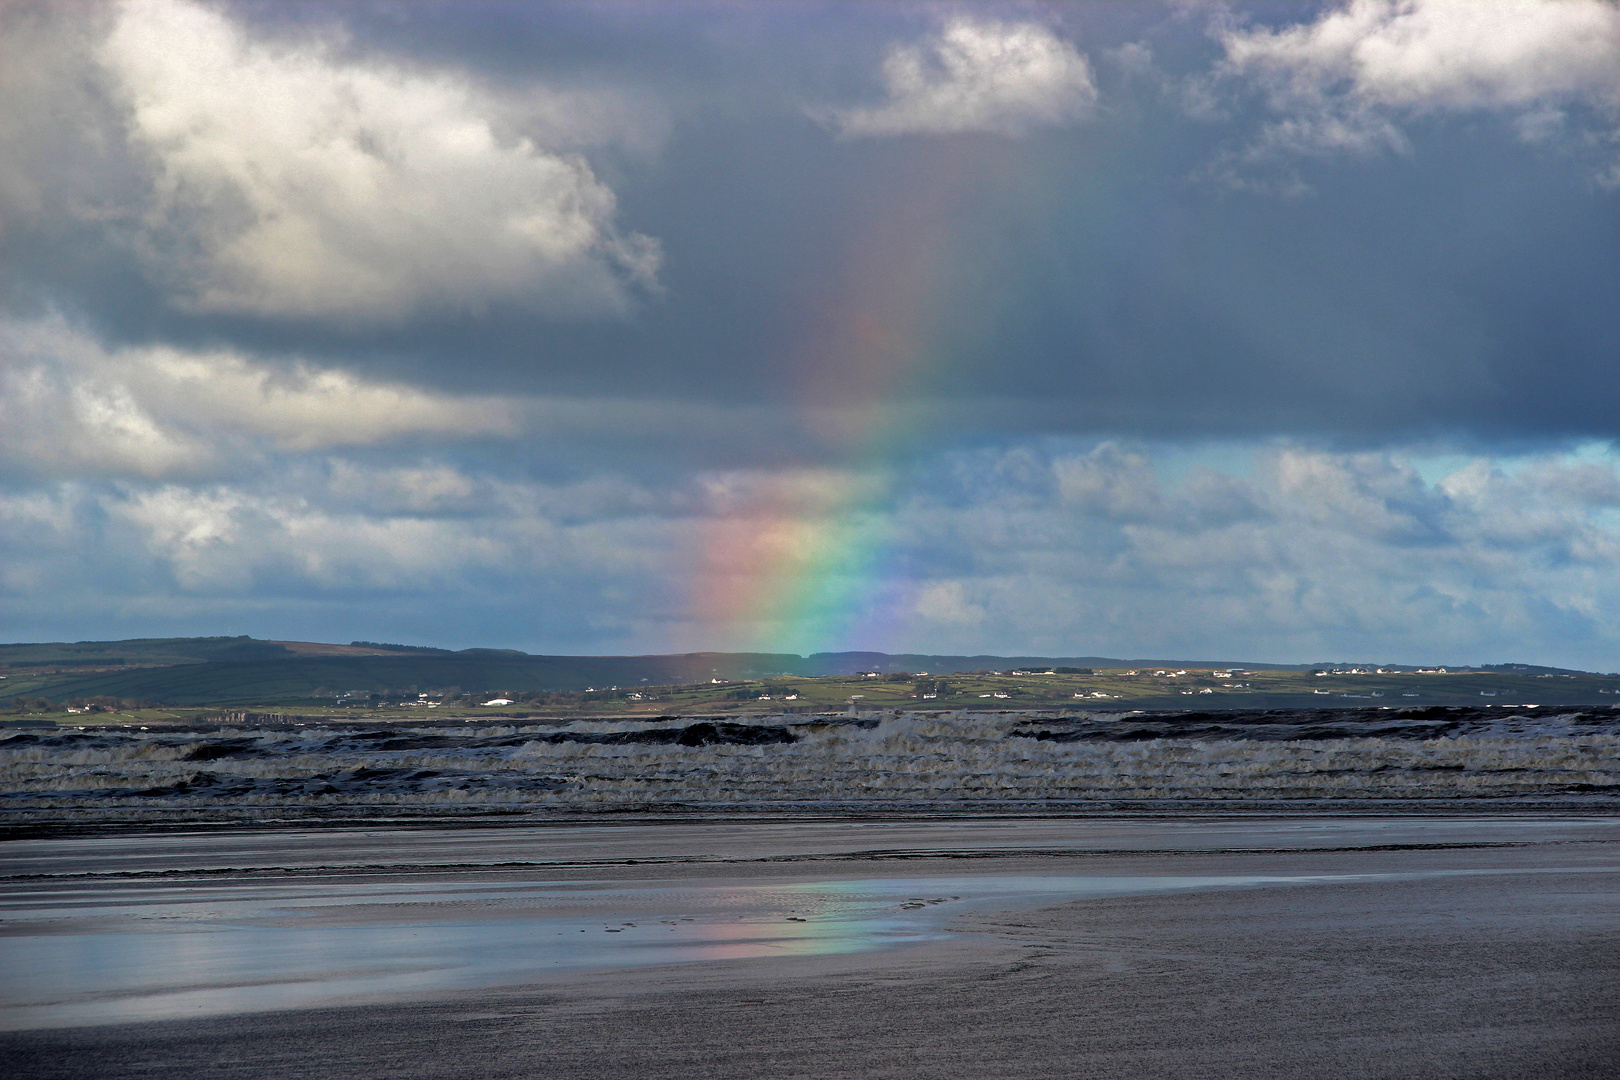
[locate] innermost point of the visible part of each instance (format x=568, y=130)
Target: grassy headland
x=158, y=681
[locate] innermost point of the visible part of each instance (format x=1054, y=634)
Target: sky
x=1269, y=332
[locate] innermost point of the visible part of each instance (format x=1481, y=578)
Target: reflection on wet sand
x=133, y=953
x=99, y=930
x=1230, y=946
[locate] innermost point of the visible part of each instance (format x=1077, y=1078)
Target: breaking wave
x=950, y=759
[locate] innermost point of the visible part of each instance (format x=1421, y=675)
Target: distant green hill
x=294, y=677
x=239, y=670
x=247, y=671
x=227, y=682
x=139, y=651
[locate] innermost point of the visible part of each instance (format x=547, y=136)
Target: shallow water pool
x=151, y=952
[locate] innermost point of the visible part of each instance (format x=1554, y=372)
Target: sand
x=1479, y=947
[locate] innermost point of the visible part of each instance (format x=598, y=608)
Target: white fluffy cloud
x=226, y=539
x=978, y=75
x=291, y=182
x=1344, y=81
x=67, y=404
x=273, y=543
x=1311, y=555
x=1305, y=555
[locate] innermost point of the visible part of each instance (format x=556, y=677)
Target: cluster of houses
x=1375, y=671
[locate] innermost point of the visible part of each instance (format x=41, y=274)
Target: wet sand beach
x=1228, y=946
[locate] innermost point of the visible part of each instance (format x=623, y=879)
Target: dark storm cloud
x=1127, y=328
x=1094, y=274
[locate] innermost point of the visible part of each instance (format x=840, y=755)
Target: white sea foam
x=947, y=758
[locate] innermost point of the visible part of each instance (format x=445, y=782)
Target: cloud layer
x=68, y=405
x=1056, y=550
x=1344, y=80
x=283, y=179
x=1278, y=333
x=978, y=76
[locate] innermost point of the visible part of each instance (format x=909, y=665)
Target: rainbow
x=801, y=564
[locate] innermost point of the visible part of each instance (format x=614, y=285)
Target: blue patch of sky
x=1172, y=462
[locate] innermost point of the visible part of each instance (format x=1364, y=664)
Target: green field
x=242, y=671
x=373, y=682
